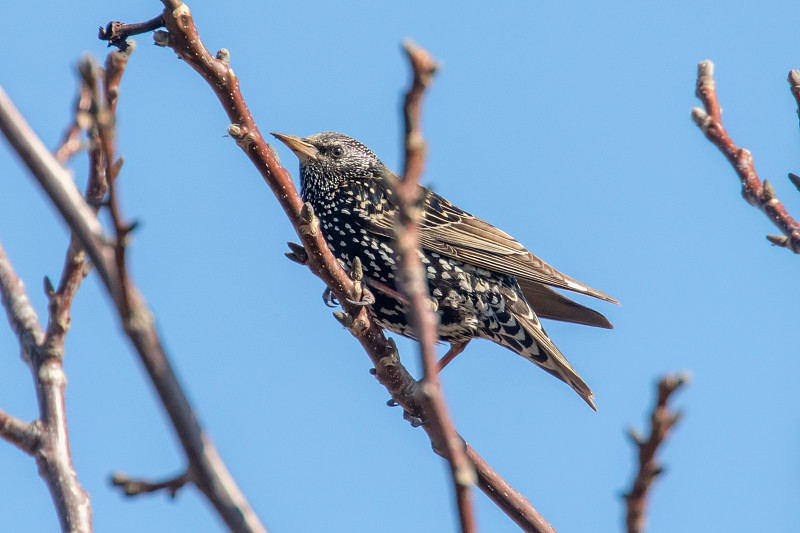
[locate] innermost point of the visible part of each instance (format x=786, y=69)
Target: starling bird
x=482, y=282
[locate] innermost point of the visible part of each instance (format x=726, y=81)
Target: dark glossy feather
x=552, y=305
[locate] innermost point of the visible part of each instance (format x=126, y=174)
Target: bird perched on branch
x=482, y=282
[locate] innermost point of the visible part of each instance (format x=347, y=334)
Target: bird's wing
x=451, y=231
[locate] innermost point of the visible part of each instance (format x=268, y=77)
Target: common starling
x=482, y=282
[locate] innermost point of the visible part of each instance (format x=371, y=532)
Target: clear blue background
x=567, y=125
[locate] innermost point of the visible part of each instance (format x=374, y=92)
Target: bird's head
x=329, y=159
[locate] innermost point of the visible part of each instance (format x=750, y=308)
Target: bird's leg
x=367, y=298
x=455, y=349
x=357, y=274
x=329, y=299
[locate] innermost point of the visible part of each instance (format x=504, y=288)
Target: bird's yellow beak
x=301, y=148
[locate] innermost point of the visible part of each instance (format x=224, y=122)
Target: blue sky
x=565, y=125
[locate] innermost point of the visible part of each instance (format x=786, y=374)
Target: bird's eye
x=337, y=151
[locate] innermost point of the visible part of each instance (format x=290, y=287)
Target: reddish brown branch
x=514, y=504
x=662, y=421
x=415, y=287
x=183, y=38
x=757, y=194
x=423, y=67
x=47, y=438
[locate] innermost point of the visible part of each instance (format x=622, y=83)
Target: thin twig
x=761, y=196
x=23, y=435
x=71, y=140
x=183, y=38
x=794, y=87
x=59, y=186
x=75, y=266
x=135, y=487
x=662, y=420
x=117, y=33
x=415, y=287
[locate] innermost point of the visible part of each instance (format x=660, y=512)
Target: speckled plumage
x=482, y=282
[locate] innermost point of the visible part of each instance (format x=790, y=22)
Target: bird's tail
x=531, y=342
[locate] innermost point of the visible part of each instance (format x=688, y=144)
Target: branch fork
x=761, y=196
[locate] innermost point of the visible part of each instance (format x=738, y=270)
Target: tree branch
x=760, y=196
x=794, y=87
x=75, y=267
x=71, y=141
x=206, y=467
x=183, y=38
x=135, y=487
x=514, y=504
x=117, y=33
x=415, y=287
x=662, y=421
x=47, y=439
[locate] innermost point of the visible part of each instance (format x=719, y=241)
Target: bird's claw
x=329, y=299
x=413, y=420
x=298, y=253
x=367, y=298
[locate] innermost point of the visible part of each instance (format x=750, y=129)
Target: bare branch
x=210, y=473
x=47, y=439
x=71, y=140
x=423, y=68
x=135, y=487
x=794, y=86
x=75, y=267
x=761, y=196
x=514, y=504
x=21, y=315
x=661, y=422
x=415, y=287
x=59, y=186
x=117, y=33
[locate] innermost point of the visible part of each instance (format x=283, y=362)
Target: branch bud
x=224, y=55
x=161, y=38
x=767, y=192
